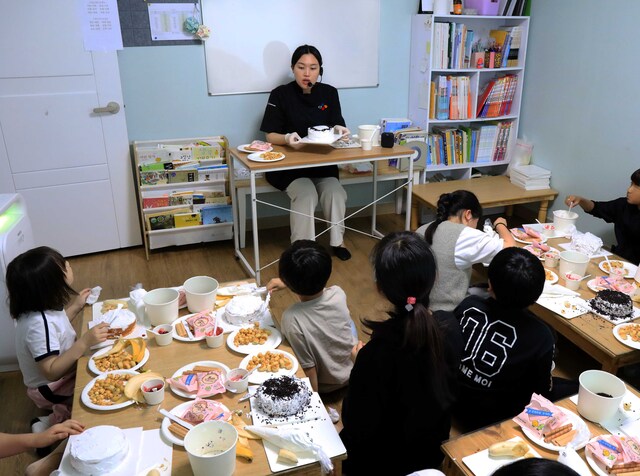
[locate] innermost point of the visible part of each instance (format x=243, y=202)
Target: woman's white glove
x=343, y=131
x=292, y=138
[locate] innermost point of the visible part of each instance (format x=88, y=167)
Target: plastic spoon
x=584, y=277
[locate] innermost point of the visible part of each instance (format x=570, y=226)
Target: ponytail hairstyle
x=405, y=272
x=450, y=205
x=36, y=281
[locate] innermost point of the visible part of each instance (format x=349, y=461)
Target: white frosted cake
x=121, y=322
x=243, y=309
x=282, y=396
x=98, y=450
x=320, y=133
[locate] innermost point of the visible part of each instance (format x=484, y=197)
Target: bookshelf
x=183, y=191
x=464, y=136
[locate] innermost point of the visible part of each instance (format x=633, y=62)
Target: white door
x=70, y=164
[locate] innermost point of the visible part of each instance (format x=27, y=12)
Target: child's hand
x=96, y=334
x=58, y=432
x=76, y=305
x=276, y=284
x=355, y=350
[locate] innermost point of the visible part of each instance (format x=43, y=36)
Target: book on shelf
x=182, y=220
x=155, y=201
x=432, y=100
x=214, y=214
x=154, y=177
x=497, y=97
x=444, y=90
x=181, y=176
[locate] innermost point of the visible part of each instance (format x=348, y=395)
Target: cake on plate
x=613, y=304
x=121, y=322
x=320, y=134
x=282, y=396
x=98, y=450
x=244, y=309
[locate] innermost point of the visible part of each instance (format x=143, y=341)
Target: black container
x=386, y=140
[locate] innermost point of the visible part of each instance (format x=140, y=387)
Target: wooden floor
x=118, y=271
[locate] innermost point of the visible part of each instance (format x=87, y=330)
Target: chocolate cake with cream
x=613, y=304
x=282, y=396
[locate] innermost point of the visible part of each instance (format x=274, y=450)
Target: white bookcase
x=184, y=235
x=423, y=71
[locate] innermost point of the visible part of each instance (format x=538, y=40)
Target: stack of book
x=497, y=96
x=453, y=43
x=450, y=98
x=530, y=177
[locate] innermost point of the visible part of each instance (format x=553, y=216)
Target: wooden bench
x=243, y=190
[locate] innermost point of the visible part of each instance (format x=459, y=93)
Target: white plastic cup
x=161, y=305
x=595, y=407
x=217, y=340
x=551, y=259
x=153, y=391
x=573, y=262
x=201, y=293
x=369, y=132
x=637, y=275
x=563, y=220
x=366, y=144
x=211, y=447
x=236, y=381
x=548, y=230
x=164, y=338
x=572, y=281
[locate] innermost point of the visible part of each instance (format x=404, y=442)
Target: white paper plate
x=96, y=370
x=481, y=464
x=627, y=342
x=537, y=227
x=178, y=411
x=259, y=377
x=565, y=306
x=257, y=157
x=265, y=320
x=183, y=319
x=204, y=363
x=329, y=141
x=84, y=397
x=554, y=276
x=243, y=148
x=579, y=441
x=597, y=467
x=628, y=267
x=272, y=342
x=542, y=239
x=538, y=253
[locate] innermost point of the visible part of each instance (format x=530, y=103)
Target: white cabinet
x=431, y=53
x=183, y=191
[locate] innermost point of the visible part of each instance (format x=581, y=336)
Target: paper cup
x=153, y=391
x=551, y=259
x=563, y=220
x=572, y=281
x=161, y=305
x=211, y=447
x=369, y=132
x=366, y=144
x=217, y=340
x=164, y=338
x=548, y=230
x=600, y=395
x=201, y=293
x=233, y=382
x=573, y=262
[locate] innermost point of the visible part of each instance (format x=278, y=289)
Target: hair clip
x=410, y=302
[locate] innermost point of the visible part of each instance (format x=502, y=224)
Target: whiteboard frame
x=237, y=65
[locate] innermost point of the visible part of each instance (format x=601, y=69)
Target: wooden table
x=457, y=448
x=495, y=191
x=166, y=360
x=589, y=332
x=306, y=156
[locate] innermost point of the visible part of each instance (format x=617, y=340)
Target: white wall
x=581, y=107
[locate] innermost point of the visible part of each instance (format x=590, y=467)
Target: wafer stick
x=560, y=431
x=204, y=368
x=564, y=439
x=178, y=430
x=181, y=330
x=625, y=468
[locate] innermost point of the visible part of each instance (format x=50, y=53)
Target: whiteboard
x=251, y=42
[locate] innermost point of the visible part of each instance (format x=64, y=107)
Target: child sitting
x=319, y=327
x=508, y=352
x=39, y=284
x=403, y=381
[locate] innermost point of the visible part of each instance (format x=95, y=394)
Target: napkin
x=136, y=304
x=293, y=439
x=587, y=243
x=570, y=458
x=93, y=295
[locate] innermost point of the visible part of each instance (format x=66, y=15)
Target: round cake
x=243, y=309
x=613, y=304
x=121, y=322
x=320, y=133
x=98, y=450
x=282, y=396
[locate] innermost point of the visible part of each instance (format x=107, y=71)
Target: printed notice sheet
x=100, y=25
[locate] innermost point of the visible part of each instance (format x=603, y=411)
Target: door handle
x=112, y=107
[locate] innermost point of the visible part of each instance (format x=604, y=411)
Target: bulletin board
x=251, y=42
